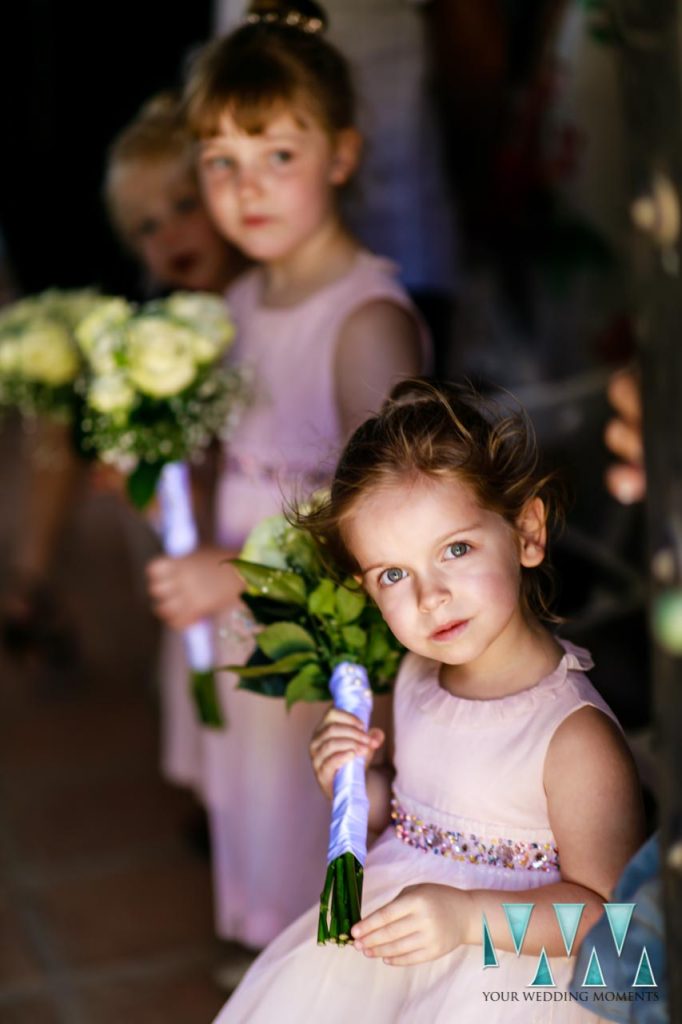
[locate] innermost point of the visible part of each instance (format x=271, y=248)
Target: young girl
x=156, y=207
x=325, y=329
x=513, y=783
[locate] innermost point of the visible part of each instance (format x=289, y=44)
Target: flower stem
x=206, y=698
x=340, y=900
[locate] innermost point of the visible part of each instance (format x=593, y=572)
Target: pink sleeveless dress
x=269, y=821
x=469, y=788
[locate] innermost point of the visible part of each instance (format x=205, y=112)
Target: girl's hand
x=339, y=738
x=422, y=923
x=184, y=590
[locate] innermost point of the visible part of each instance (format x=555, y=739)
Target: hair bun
x=305, y=15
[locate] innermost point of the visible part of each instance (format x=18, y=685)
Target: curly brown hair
x=443, y=430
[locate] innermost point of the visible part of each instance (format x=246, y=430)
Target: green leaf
x=310, y=684
x=270, y=686
x=141, y=484
x=378, y=646
x=282, y=638
x=265, y=612
x=321, y=602
x=350, y=600
x=267, y=686
x=206, y=699
x=283, y=665
x=356, y=639
x=276, y=584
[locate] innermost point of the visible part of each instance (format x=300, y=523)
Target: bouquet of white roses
x=154, y=391
x=155, y=394
x=40, y=360
x=318, y=638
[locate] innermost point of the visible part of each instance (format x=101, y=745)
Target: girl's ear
x=532, y=530
x=347, y=149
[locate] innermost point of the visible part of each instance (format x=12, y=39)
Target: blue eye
x=391, y=576
x=218, y=163
x=458, y=549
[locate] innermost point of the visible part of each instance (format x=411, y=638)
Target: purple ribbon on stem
x=342, y=894
x=180, y=537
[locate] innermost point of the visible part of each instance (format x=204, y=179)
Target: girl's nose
x=432, y=594
x=248, y=181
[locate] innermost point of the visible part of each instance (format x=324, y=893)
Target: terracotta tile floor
x=105, y=910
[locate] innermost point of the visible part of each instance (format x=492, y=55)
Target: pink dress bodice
x=469, y=812
x=290, y=435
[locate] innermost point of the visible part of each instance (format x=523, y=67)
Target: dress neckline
x=434, y=699
x=362, y=257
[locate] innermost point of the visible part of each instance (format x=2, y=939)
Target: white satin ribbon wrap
x=179, y=535
x=350, y=807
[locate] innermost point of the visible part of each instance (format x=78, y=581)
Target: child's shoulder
x=415, y=671
x=578, y=690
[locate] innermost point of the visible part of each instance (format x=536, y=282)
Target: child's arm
x=596, y=816
x=339, y=738
x=377, y=345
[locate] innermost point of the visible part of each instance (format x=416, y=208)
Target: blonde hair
x=440, y=431
x=158, y=132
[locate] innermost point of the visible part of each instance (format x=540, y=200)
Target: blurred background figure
x=156, y=207
x=153, y=199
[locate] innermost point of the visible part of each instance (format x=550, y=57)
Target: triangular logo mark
x=568, y=915
x=594, y=977
x=543, y=975
x=489, y=955
x=518, y=916
x=645, y=976
x=619, y=915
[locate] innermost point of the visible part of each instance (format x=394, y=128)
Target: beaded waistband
x=472, y=849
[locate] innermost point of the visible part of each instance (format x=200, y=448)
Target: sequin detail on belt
x=471, y=849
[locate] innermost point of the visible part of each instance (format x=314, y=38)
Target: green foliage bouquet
x=40, y=360
x=318, y=638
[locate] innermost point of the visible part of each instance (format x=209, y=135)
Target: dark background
x=71, y=76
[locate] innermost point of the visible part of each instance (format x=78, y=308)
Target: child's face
x=162, y=216
x=444, y=572
x=272, y=192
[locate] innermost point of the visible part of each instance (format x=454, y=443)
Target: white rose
x=104, y=323
x=208, y=317
x=160, y=356
x=111, y=394
x=48, y=355
x=10, y=357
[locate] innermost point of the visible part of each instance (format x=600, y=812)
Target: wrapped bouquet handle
x=319, y=635
x=342, y=894
x=179, y=535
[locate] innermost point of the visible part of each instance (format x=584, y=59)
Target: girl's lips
x=449, y=631
x=255, y=221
